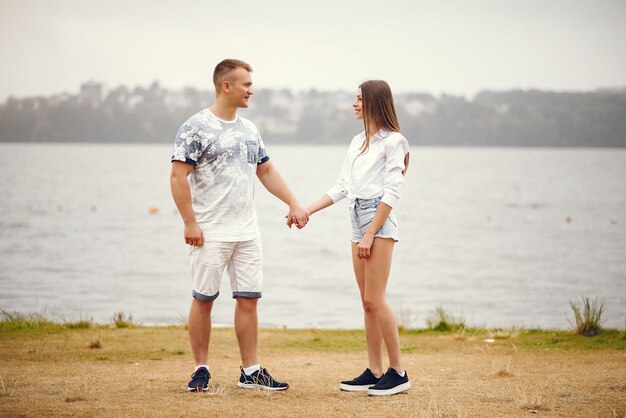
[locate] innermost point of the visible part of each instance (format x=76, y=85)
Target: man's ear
x=225, y=86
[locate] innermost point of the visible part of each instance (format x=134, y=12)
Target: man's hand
x=194, y=235
x=297, y=215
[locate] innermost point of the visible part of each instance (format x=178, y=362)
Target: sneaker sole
x=196, y=389
x=385, y=392
x=255, y=386
x=354, y=388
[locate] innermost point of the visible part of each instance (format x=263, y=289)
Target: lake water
x=501, y=237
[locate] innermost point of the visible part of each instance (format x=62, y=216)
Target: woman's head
x=374, y=104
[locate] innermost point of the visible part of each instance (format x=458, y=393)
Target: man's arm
x=181, y=192
x=275, y=184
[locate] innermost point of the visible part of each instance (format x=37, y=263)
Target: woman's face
x=358, y=105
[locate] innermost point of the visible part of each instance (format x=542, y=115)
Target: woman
x=371, y=179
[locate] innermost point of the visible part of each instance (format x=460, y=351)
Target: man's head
x=232, y=80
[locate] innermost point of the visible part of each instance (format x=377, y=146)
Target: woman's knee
x=372, y=305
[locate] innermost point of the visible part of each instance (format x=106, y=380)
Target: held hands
x=365, y=246
x=297, y=215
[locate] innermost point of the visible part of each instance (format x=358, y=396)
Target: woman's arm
x=396, y=163
x=323, y=202
x=365, y=245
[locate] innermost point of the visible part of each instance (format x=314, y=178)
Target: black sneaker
x=361, y=383
x=391, y=383
x=199, y=380
x=261, y=379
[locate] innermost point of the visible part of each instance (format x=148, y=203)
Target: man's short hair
x=225, y=67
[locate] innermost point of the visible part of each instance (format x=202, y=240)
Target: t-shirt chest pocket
x=253, y=151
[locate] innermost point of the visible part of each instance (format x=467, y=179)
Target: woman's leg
x=377, y=269
x=373, y=336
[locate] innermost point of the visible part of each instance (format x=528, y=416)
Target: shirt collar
x=381, y=134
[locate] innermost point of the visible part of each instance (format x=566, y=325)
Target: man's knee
x=203, y=305
x=246, y=304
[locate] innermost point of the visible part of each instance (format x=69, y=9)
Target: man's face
x=240, y=87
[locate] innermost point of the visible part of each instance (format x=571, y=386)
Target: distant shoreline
x=528, y=118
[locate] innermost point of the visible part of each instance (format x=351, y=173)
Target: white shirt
x=376, y=173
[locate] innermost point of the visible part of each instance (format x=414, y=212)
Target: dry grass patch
x=7, y=386
x=533, y=400
x=450, y=376
x=501, y=367
x=95, y=344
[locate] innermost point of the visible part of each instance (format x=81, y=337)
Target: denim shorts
x=362, y=214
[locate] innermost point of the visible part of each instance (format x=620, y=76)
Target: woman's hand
x=364, y=248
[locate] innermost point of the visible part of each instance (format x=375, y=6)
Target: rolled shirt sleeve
x=340, y=189
x=262, y=156
x=396, y=148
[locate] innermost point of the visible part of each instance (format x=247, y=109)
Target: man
x=216, y=156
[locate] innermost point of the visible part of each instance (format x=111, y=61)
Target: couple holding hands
x=217, y=156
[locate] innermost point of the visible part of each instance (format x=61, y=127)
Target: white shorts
x=244, y=263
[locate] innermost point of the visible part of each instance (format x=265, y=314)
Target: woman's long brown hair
x=378, y=109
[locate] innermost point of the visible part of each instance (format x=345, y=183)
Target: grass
x=533, y=400
x=440, y=320
x=15, y=321
x=94, y=344
x=34, y=321
x=454, y=373
x=588, y=316
x=81, y=324
x=447, y=327
x=122, y=320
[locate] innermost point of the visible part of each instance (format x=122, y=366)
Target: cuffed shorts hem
x=204, y=298
x=247, y=295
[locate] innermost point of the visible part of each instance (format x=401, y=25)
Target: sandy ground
x=143, y=372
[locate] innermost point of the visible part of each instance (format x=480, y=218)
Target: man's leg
x=247, y=329
x=245, y=270
x=207, y=265
x=200, y=329
x=246, y=276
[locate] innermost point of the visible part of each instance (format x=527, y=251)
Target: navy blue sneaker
x=199, y=380
x=360, y=383
x=261, y=379
x=391, y=383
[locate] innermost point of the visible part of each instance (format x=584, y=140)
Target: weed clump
x=440, y=320
x=587, y=316
x=122, y=320
x=81, y=324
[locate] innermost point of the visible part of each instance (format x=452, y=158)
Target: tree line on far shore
x=153, y=115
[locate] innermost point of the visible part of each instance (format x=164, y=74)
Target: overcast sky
x=456, y=47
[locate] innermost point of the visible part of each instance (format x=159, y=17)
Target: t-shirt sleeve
x=262, y=156
x=189, y=144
